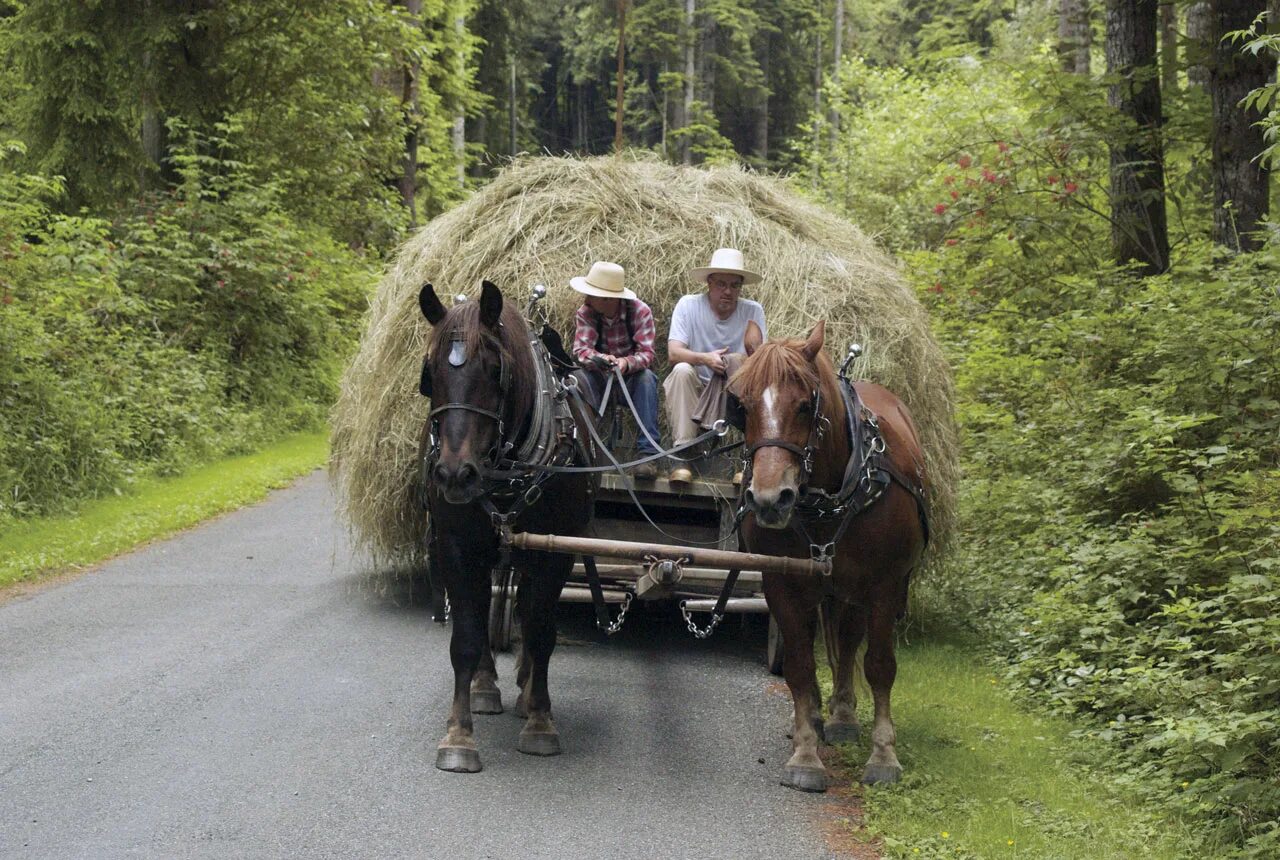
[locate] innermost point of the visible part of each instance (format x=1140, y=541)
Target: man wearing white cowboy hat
x=613, y=328
x=707, y=332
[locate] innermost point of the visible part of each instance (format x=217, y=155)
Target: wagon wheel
x=773, y=653
x=502, y=609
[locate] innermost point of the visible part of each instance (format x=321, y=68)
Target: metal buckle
x=532, y=494
x=822, y=552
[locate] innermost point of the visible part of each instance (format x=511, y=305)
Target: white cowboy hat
x=727, y=260
x=604, y=280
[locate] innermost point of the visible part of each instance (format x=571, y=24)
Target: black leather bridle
x=457, y=358
x=817, y=431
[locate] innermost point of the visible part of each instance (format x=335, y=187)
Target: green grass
x=985, y=779
x=153, y=508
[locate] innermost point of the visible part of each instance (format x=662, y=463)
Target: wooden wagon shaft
x=695, y=555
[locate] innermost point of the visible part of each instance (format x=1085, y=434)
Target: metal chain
x=617, y=622
x=701, y=633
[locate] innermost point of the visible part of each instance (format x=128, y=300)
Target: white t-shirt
x=694, y=324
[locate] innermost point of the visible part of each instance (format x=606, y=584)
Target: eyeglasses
x=720, y=285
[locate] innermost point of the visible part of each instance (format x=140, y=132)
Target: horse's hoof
x=805, y=778
x=842, y=733
x=881, y=774
x=486, y=701
x=458, y=759
x=539, y=743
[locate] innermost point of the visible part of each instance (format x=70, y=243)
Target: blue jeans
x=643, y=387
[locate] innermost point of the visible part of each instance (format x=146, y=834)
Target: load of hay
x=544, y=220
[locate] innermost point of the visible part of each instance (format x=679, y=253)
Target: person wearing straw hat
x=614, y=329
x=705, y=343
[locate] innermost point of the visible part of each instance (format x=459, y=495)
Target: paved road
x=239, y=692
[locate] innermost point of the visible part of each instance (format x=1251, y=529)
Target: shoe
x=645, y=472
x=680, y=476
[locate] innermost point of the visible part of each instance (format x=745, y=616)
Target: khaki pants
x=683, y=389
x=694, y=405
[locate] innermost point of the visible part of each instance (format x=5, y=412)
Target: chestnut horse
x=492, y=395
x=804, y=497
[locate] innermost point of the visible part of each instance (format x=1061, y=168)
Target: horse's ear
x=813, y=345
x=490, y=304
x=753, y=338
x=430, y=304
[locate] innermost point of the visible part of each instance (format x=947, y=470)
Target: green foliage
x=315, y=87
x=200, y=321
x=1122, y=436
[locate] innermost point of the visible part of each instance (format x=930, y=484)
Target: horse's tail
x=831, y=636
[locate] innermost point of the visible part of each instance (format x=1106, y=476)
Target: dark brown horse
x=801, y=495
x=492, y=402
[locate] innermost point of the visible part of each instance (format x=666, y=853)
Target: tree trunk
x=761, y=148
x=1168, y=46
x=1138, y=228
x=707, y=63
x=511, y=109
x=408, y=181
x=1199, y=44
x=1239, y=182
x=460, y=118
x=837, y=47
x=151, y=130
x=690, y=76
x=1075, y=36
x=622, y=64
x=838, y=43
x=817, y=72
x=666, y=107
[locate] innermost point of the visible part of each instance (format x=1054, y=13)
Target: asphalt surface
x=241, y=691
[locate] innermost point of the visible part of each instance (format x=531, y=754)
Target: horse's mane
x=782, y=361
x=512, y=340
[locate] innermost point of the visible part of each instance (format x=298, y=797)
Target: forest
x=198, y=197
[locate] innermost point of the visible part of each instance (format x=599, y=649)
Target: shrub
x=1120, y=519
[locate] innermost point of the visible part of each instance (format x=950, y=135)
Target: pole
x=695, y=555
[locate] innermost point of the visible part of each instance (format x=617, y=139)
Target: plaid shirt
x=634, y=347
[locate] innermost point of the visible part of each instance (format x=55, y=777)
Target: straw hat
x=604, y=280
x=727, y=260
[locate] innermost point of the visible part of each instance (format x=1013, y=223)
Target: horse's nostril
x=439, y=475
x=468, y=474
x=751, y=497
x=786, y=498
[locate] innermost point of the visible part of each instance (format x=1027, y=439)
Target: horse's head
x=778, y=385
x=469, y=375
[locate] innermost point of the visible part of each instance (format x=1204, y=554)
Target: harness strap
x=465, y=407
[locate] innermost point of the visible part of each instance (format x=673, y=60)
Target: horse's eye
x=804, y=409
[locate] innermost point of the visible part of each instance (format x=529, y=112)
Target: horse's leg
x=539, y=735
x=881, y=669
x=486, y=698
x=457, y=751
x=797, y=622
x=523, y=661
x=851, y=624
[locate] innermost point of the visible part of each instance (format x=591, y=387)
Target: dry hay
x=544, y=220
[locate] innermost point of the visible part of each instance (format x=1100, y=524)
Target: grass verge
x=986, y=779
x=155, y=507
